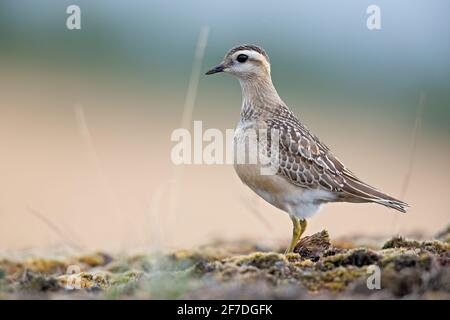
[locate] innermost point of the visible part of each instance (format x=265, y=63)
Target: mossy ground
x=318, y=269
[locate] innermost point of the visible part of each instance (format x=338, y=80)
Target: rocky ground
x=319, y=269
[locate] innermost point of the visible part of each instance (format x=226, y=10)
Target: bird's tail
x=361, y=192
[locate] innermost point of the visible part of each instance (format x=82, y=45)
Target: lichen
x=317, y=269
x=34, y=281
x=95, y=259
x=47, y=266
x=260, y=260
x=400, y=242
x=444, y=235
x=84, y=280
x=433, y=246
x=355, y=257
x=126, y=277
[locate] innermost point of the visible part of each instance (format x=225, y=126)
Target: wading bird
x=308, y=174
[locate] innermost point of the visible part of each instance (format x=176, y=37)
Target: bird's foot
x=299, y=226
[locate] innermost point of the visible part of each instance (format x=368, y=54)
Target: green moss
x=444, y=235
x=167, y=285
x=408, y=259
x=95, y=259
x=260, y=260
x=339, y=278
x=356, y=257
x=401, y=242
x=402, y=282
x=7, y=266
x=436, y=246
x=2, y=282
x=126, y=277
x=433, y=246
x=336, y=279
x=119, y=266
x=409, y=267
x=33, y=281
x=46, y=266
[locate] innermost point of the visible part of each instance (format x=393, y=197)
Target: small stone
x=313, y=247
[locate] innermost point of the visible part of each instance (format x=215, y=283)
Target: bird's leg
x=299, y=226
x=303, y=224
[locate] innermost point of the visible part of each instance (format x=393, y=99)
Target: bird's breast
x=274, y=188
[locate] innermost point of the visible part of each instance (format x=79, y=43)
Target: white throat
x=259, y=92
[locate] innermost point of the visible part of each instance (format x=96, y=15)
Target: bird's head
x=245, y=62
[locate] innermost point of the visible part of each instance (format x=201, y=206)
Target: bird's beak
x=216, y=69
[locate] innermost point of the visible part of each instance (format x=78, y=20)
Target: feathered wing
x=306, y=162
x=360, y=190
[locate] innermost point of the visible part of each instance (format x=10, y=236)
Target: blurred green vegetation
x=320, y=51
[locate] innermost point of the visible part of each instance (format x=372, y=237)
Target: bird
x=308, y=174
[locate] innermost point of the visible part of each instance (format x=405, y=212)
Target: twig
x=415, y=136
x=412, y=155
x=61, y=234
x=104, y=183
x=188, y=109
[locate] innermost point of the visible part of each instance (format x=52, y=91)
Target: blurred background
x=86, y=117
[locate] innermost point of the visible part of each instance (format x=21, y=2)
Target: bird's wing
x=307, y=162
x=303, y=159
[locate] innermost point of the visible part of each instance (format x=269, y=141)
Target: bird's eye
x=242, y=58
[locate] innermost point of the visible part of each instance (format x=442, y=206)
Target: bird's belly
x=275, y=189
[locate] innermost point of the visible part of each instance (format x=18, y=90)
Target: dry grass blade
x=414, y=139
x=412, y=155
x=188, y=109
x=60, y=233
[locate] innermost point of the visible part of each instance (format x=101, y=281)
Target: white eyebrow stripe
x=251, y=54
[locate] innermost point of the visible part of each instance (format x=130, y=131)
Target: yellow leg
x=299, y=226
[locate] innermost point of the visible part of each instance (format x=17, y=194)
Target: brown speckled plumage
x=307, y=162
x=307, y=174
x=304, y=160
